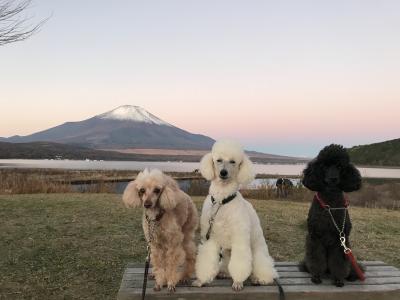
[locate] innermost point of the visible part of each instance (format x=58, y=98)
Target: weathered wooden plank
x=369, y=268
x=382, y=282
x=284, y=281
x=366, y=292
x=282, y=269
x=280, y=263
x=282, y=275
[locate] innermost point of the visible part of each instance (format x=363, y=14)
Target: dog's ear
x=313, y=176
x=131, y=196
x=207, y=167
x=246, y=171
x=168, y=198
x=350, y=179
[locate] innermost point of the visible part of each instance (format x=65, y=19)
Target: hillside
x=378, y=154
x=49, y=150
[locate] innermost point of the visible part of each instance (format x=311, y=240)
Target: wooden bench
x=382, y=282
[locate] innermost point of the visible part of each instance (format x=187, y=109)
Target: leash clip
x=343, y=243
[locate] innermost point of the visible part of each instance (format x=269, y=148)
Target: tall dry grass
x=47, y=181
x=374, y=194
x=296, y=193
x=28, y=183
x=384, y=195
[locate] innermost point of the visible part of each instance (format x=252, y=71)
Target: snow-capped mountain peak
x=132, y=113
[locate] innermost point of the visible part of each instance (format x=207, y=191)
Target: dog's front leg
x=174, y=259
x=241, y=259
x=316, y=258
x=207, y=263
x=157, y=261
x=338, y=265
x=223, y=265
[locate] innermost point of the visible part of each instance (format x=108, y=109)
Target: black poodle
x=330, y=174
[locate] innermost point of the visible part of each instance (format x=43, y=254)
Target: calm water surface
x=271, y=169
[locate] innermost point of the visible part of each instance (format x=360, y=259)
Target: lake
x=270, y=169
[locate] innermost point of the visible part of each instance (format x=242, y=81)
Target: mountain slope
x=380, y=154
x=124, y=127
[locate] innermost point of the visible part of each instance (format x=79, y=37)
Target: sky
x=282, y=77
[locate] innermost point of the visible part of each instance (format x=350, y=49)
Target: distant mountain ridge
x=49, y=150
x=124, y=127
x=379, y=154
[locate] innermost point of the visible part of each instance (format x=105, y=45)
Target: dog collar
x=321, y=202
x=225, y=200
x=157, y=218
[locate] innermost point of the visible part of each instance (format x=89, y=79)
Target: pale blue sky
x=283, y=77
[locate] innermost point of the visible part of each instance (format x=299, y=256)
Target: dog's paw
x=157, y=288
x=223, y=275
x=339, y=282
x=184, y=281
x=254, y=281
x=237, y=286
x=171, y=288
x=316, y=279
x=197, y=283
x=257, y=281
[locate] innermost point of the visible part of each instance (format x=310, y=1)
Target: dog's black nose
x=147, y=204
x=223, y=173
x=333, y=180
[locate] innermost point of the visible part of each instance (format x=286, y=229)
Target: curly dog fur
x=173, y=240
x=330, y=174
x=236, y=232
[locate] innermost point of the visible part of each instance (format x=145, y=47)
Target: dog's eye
x=157, y=190
x=219, y=160
x=142, y=191
x=232, y=162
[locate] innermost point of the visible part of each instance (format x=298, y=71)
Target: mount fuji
x=124, y=127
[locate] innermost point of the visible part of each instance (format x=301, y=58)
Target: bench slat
x=284, y=281
x=368, y=274
x=367, y=292
x=281, y=269
x=383, y=282
x=281, y=263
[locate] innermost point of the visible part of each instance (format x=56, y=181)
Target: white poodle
x=235, y=230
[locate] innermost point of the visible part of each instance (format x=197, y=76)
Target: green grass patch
x=77, y=245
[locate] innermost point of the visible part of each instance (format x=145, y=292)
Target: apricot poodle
x=169, y=222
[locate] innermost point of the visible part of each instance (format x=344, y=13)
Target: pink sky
x=283, y=78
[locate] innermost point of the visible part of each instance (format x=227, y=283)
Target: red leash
x=355, y=265
x=347, y=251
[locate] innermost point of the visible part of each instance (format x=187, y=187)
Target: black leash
x=280, y=289
x=146, y=272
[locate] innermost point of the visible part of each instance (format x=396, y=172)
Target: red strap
x=320, y=201
x=356, y=267
x=324, y=205
x=346, y=201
